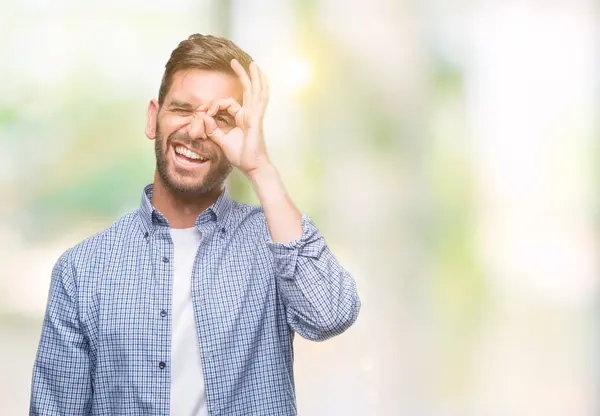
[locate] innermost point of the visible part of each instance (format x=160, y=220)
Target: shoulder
x=82, y=254
x=248, y=222
x=247, y=215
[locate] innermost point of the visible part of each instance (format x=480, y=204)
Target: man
x=188, y=305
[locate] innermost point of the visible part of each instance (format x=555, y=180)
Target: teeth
x=188, y=153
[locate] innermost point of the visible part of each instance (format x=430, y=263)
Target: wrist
x=267, y=185
x=264, y=172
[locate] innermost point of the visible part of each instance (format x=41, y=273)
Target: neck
x=181, y=210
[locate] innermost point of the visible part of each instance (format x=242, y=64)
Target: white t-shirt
x=188, y=396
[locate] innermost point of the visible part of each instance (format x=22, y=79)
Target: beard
x=185, y=182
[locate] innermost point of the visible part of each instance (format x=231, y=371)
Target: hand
x=243, y=144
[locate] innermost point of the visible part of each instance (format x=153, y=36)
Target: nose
x=195, y=128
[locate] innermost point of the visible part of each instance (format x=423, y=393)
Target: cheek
x=170, y=125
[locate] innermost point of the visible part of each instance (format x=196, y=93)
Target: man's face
x=187, y=161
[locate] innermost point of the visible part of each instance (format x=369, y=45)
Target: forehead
x=199, y=86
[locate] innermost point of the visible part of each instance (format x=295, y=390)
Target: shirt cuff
x=310, y=244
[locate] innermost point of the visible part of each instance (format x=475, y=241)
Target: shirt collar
x=150, y=217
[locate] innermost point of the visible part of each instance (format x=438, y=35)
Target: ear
x=151, y=119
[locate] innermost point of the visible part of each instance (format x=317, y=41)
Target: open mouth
x=186, y=157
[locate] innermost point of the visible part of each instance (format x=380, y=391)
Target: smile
x=187, y=158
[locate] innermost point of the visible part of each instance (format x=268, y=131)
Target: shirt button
x=165, y=259
x=163, y=313
x=161, y=365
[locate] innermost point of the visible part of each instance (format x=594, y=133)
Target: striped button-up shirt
x=105, y=345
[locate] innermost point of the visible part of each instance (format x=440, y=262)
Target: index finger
x=242, y=75
x=229, y=104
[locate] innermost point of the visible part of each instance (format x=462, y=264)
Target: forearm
x=283, y=218
x=319, y=294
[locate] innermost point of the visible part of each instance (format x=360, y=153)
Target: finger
x=229, y=104
x=243, y=77
x=213, y=132
x=265, y=89
x=255, y=79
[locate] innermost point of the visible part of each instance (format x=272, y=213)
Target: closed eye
x=181, y=110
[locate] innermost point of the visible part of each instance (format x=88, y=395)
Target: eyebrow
x=180, y=104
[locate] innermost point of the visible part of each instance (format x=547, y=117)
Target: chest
x=230, y=284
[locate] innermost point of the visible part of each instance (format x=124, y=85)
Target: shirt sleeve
x=61, y=382
x=319, y=294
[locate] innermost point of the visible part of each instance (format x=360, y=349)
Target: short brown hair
x=202, y=52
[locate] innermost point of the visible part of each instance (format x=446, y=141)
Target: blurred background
x=448, y=151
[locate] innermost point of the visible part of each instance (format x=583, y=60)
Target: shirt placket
x=163, y=259
x=202, y=276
